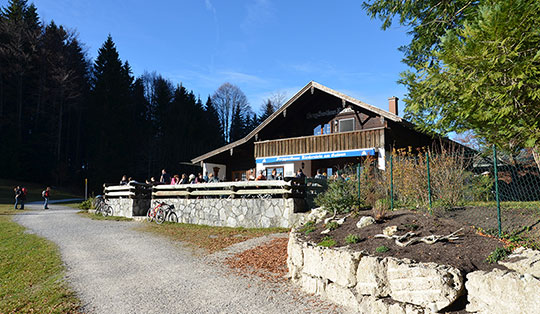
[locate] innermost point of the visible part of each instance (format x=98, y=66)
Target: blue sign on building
x=312, y=156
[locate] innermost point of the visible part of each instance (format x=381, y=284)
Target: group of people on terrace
x=176, y=179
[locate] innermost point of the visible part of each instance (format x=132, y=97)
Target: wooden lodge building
x=318, y=128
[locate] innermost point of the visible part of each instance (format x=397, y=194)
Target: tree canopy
x=475, y=66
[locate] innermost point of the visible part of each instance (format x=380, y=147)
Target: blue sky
x=262, y=46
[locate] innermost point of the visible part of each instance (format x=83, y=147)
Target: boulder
x=365, y=221
x=295, y=257
x=428, y=285
x=341, y=296
x=313, y=285
x=501, y=291
x=524, y=261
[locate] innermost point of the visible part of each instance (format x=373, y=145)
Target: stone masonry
x=248, y=212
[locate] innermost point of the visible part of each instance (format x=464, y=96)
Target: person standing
x=18, y=197
x=46, y=194
x=165, y=177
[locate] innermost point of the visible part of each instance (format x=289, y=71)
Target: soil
x=468, y=253
x=513, y=220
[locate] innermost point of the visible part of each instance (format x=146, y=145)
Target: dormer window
x=346, y=125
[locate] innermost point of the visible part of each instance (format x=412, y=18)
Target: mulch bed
x=468, y=253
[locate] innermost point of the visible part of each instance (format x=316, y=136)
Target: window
x=346, y=125
x=317, y=130
x=279, y=171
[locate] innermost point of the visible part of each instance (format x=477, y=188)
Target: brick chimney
x=393, y=105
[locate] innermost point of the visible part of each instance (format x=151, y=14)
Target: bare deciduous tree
x=227, y=99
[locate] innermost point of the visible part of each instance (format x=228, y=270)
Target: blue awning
x=312, y=156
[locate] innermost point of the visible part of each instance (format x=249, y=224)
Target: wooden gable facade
x=318, y=128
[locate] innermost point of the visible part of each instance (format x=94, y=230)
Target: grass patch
x=100, y=217
x=308, y=228
x=209, y=238
x=31, y=272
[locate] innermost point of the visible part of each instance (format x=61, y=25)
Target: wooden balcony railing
x=321, y=143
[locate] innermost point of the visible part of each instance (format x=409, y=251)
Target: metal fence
x=443, y=181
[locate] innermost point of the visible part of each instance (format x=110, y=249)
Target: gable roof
x=305, y=89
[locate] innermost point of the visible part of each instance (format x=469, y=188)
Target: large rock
x=371, y=305
x=313, y=285
x=365, y=221
x=295, y=257
x=429, y=285
x=317, y=214
x=338, y=266
x=502, y=291
x=371, y=277
x=524, y=261
x=341, y=296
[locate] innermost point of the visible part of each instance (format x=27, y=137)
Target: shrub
x=327, y=242
x=497, y=255
x=332, y=225
x=86, y=204
x=380, y=209
x=340, y=197
x=352, y=238
x=382, y=249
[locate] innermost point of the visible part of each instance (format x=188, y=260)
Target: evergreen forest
x=65, y=117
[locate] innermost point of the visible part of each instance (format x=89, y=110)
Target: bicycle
x=161, y=212
x=101, y=207
x=168, y=214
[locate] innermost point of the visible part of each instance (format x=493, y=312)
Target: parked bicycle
x=101, y=206
x=162, y=212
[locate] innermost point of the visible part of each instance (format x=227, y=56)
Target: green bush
x=327, y=242
x=88, y=204
x=332, y=225
x=497, y=255
x=352, y=238
x=340, y=197
x=382, y=249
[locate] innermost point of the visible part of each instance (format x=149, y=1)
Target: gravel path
x=116, y=269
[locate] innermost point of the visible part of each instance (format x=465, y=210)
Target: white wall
x=289, y=169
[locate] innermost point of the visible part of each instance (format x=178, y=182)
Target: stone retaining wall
x=369, y=284
x=248, y=212
x=129, y=207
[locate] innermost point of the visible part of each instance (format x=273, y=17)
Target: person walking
x=18, y=197
x=46, y=194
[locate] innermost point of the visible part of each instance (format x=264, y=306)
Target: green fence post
x=428, y=182
x=358, y=178
x=497, y=188
x=391, y=183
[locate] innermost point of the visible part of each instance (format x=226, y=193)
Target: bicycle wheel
x=150, y=215
x=107, y=211
x=160, y=216
x=172, y=217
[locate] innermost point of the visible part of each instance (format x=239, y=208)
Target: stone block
x=338, y=266
x=429, y=285
x=342, y=296
x=371, y=277
x=313, y=285
x=524, y=261
x=502, y=291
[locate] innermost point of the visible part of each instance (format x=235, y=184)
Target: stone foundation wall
x=369, y=284
x=129, y=207
x=248, y=213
